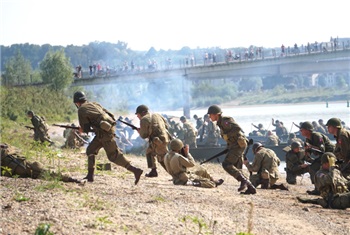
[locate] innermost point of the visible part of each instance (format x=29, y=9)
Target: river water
x=287, y=113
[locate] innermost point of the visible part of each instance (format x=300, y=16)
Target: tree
x=250, y=84
x=17, y=70
x=56, y=70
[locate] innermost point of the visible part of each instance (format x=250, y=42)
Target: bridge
x=306, y=63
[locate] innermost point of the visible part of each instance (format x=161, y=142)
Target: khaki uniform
x=154, y=127
x=342, y=150
x=212, y=138
x=266, y=164
x=19, y=166
x=72, y=141
x=334, y=190
x=93, y=116
x=324, y=144
x=272, y=140
x=293, y=163
x=40, y=129
x=232, y=133
x=190, y=134
x=176, y=165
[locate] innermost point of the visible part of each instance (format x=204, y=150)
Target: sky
x=165, y=24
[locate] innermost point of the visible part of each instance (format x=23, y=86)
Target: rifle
x=250, y=142
x=215, y=156
x=128, y=124
x=296, y=125
x=14, y=159
x=29, y=127
x=67, y=126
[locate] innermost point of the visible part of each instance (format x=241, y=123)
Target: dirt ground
x=112, y=204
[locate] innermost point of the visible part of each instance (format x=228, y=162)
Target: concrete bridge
x=307, y=63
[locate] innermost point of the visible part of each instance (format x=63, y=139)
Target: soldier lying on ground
x=12, y=164
x=333, y=187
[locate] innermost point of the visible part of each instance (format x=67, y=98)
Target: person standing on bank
x=93, y=117
x=40, y=128
x=153, y=127
x=232, y=133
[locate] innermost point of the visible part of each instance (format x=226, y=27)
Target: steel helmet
x=195, y=116
x=296, y=144
x=214, y=109
x=307, y=126
x=292, y=135
x=30, y=112
x=334, y=122
x=176, y=145
x=79, y=96
x=328, y=158
x=256, y=146
x=141, y=109
x=260, y=125
x=183, y=118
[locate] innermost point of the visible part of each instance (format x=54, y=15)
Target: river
x=287, y=113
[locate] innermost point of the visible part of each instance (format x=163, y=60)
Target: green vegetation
x=43, y=229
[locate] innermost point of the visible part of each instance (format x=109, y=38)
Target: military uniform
x=333, y=187
x=272, y=140
x=266, y=164
x=323, y=143
x=190, y=134
x=72, y=139
x=342, y=147
x=213, y=134
x=19, y=166
x=93, y=117
x=40, y=129
x=154, y=127
x=293, y=165
x=177, y=164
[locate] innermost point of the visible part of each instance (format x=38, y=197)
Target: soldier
x=266, y=164
x=199, y=121
x=40, y=128
x=318, y=128
x=293, y=138
x=261, y=130
x=272, y=139
x=342, y=147
x=333, y=187
x=321, y=123
x=155, y=128
x=190, y=133
x=295, y=162
x=232, y=133
x=93, y=117
x=73, y=139
x=212, y=133
x=281, y=131
x=178, y=160
x=315, y=144
x=18, y=165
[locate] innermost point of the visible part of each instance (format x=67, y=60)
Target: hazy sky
x=166, y=24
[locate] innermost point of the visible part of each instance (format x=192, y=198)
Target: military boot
x=218, y=182
x=244, y=182
x=152, y=173
x=313, y=192
x=90, y=175
x=137, y=173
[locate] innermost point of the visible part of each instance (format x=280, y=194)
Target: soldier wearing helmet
x=93, y=117
x=315, y=144
x=40, y=128
x=261, y=130
x=281, y=130
x=321, y=123
x=190, y=132
x=296, y=162
x=266, y=164
x=293, y=138
x=236, y=141
x=333, y=187
x=342, y=147
x=153, y=127
x=177, y=163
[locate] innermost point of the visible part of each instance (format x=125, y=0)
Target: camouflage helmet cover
x=328, y=158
